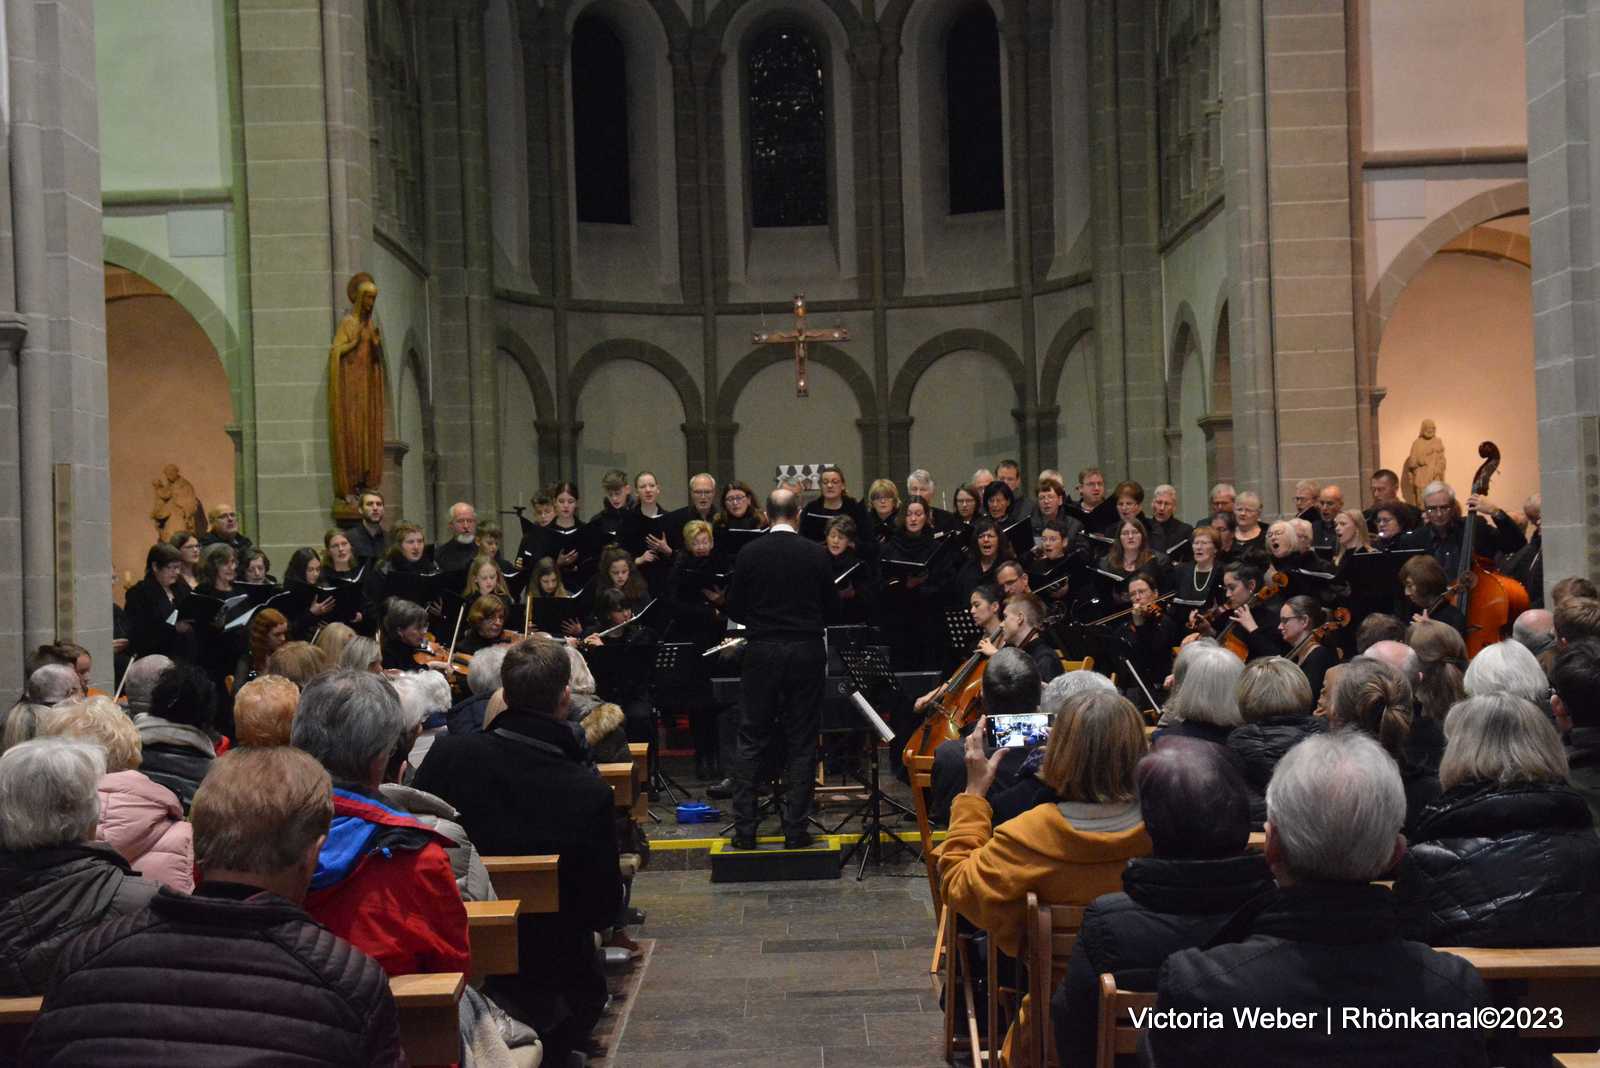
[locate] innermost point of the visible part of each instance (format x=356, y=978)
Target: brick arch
x=1434, y=237
x=936, y=348
x=651, y=356
x=824, y=355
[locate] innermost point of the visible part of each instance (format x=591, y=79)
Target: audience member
x=139, y=818
x=238, y=972
x=483, y=679
x=1196, y=809
x=522, y=787
x=424, y=701
x=332, y=639
x=1010, y=687
x=56, y=881
x=299, y=662
x=1535, y=629
x=1570, y=587
x=1068, y=853
x=383, y=880
x=175, y=734
x=1374, y=698
x=263, y=711
x=1508, y=846
x=1326, y=936
x=1204, y=703
x=1395, y=654
x=1275, y=703
x=1575, y=701
x=139, y=684
x=1031, y=788
x=1435, y=667
x=361, y=654
x=1379, y=627
x=1577, y=618
x=1507, y=667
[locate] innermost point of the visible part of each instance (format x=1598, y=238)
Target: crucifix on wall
x=799, y=337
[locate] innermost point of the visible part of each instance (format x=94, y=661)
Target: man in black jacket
x=1443, y=524
x=237, y=972
x=524, y=787
x=1326, y=943
x=782, y=590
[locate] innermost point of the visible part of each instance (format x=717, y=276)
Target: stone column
x=1563, y=183
x=1291, y=318
x=55, y=572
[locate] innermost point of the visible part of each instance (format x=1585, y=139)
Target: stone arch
x=1078, y=324
x=644, y=352
x=653, y=356
x=940, y=345
x=1435, y=236
x=520, y=351
x=401, y=456
x=1185, y=329
x=194, y=300
x=717, y=25
x=821, y=354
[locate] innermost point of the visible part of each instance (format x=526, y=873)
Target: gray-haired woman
x=1507, y=855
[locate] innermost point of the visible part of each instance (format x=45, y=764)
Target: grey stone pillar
x=1563, y=126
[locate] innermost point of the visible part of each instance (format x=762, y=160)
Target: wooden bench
x=1567, y=978
x=430, y=1029
x=531, y=881
x=492, y=932
x=640, y=751
x=624, y=783
x=429, y=1026
x=1578, y=1060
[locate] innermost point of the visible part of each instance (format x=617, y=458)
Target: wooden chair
x=492, y=932
x=1047, y=941
x=430, y=1031
x=531, y=881
x=1086, y=664
x=1116, y=1034
x=1578, y=1060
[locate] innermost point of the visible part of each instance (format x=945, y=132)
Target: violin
x=1274, y=584
x=1488, y=599
x=1337, y=618
x=1153, y=611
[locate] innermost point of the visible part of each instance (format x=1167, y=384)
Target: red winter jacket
x=384, y=884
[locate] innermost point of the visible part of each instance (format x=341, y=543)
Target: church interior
x=1183, y=244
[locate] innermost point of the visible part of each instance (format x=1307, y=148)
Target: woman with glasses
x=1298, y=621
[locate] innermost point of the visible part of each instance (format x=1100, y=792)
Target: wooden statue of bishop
x=799, y=337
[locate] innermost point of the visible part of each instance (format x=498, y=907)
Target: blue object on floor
x=698, y=812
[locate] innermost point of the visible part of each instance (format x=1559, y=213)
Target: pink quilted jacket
x=143, y=821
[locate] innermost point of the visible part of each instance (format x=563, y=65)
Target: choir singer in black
x=782, y=590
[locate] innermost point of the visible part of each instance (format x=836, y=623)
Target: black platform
x=771, y=862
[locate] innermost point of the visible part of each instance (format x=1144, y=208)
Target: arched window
x=600, y=122
x=972, y=110
x=788, y=130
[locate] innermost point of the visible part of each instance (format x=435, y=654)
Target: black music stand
x=868, y=671
x=671, y=662
x=960, y=633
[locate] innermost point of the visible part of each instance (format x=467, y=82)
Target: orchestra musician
x=1299, y=618
x=1148, y=634
x=484, y=625
x=1255, y=624
x=626, y=684
x=1443, y=525
x=1424, y=587
x=403, y=640
x=1048, y=574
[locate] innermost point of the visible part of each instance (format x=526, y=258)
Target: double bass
x=1488, y=599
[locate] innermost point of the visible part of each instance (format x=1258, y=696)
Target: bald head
x=783, y=505
x=139, y=682
x=1393, y=653
x=1536, y=629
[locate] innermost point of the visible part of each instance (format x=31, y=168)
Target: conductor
x=782, y=589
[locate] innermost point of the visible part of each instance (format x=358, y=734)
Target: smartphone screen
x=1014, y=732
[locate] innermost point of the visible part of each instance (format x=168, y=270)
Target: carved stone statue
x=1424, y=465
x=355, y=393
x=177, y=506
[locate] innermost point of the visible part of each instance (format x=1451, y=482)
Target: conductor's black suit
x=782, y=589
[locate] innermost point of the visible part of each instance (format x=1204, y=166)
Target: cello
x=1488, y=599
x=956, y=704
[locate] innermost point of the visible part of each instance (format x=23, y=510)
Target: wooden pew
x=1565, y=978
x=531, y=881
x=640, y=751
x=429, y=1027
x=492, y=931
x=1578, y=1060
x=430, y=1030
x=620, y=778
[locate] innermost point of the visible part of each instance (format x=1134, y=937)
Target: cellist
x=1442, y=527
x=984, y=605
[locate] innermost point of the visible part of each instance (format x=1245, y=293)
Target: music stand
x=960, y=633
x=867, y=669
x=671, y=659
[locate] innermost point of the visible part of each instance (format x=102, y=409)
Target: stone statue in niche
x=177, y=506
x=355, y=394
x=1424, y=465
